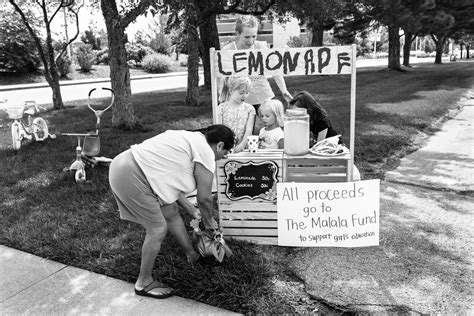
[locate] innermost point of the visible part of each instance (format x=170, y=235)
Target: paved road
x=70, y=92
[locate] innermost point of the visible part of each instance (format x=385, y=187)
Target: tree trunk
x=467, y=51
x=52, y=77
x=460, y=50
x=317, y=31
x=439, y=41
x=123, y=114
x=51, y=70
x=407, y=48
x=55, y=87
x=393, y=48
x=209, y=38
x=192, y=95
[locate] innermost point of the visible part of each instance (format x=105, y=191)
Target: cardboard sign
x=343, y=214
x=251, y=180
x=285, y=61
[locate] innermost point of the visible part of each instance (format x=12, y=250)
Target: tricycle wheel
x=16, y=136
x=80, y=175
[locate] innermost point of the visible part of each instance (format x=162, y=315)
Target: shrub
x=161, y=44
x=157, y=63
x=136, y=52
x=64, y=65
x=102, y=56
x=85, y=57
x=90, y=38
x=18, y=51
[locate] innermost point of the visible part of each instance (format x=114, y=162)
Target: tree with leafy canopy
x=44, y=46
x=465, y=40
x=449, y=18
x=412, y=25
x=17, y=48
x=393, y=14
x=317, y=15
x=116, y=21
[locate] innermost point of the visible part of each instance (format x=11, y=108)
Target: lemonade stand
x=247, y=182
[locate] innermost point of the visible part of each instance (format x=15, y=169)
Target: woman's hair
x=304, y=99
x=219, y=133
x=277, y=109
x=238, y=84
x=245, y=21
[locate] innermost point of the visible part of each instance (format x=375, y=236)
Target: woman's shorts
x=136, y=200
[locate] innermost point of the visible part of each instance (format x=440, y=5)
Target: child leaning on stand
x=271, y=135
x=235, y=113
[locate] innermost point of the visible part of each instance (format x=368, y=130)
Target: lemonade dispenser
x=296, y=131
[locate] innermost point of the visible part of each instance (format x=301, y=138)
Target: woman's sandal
x=146, y=291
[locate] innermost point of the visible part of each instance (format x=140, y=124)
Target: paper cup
x=252, y=143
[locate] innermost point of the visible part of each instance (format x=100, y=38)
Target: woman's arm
x=280, y=81
x=204, y=179
x=189, y=207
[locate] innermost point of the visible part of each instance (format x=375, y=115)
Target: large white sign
x=343, y=214
x=285, y=61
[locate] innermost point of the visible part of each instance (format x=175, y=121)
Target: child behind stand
x=238, y=115
x=271, y=135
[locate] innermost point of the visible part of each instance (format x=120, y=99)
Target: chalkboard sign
x=251, y=180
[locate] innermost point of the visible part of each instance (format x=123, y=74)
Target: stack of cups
x=252, y=143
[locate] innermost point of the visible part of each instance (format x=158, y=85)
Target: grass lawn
x=44, y=212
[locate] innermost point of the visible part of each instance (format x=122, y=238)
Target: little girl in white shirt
x=271, y=135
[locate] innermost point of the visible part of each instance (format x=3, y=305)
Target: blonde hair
x=245, y=21
x=239, y=83
x=277, y=109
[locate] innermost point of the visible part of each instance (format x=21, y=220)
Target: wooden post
x=213, y=84
x=353, y=108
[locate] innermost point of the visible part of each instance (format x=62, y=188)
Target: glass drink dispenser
x=296, y=131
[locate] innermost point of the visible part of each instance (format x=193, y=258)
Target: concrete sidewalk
x=35, y=286
x=447, y=160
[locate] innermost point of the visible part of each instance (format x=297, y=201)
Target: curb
x=88, y=81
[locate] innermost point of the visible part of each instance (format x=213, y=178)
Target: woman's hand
x=287, y=96
x=194, y=213
x=210, y=223
x=189, y=207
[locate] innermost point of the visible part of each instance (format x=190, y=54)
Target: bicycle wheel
x=40, y=129
x=16, y=137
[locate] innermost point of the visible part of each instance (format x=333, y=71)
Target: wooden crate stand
x=255, y=219
x=251, y=219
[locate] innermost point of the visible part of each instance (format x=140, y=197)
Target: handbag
x=210, y=242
